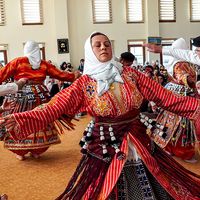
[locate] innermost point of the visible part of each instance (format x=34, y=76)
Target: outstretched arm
x=185, y=106
x=67, y=101
x=180, y=54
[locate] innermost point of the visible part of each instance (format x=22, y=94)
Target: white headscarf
x=32, y=52
x=177, y=44
x=105, y=73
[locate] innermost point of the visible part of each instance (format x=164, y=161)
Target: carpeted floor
x=45, y=178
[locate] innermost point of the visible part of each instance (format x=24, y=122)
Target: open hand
x=21, y=82
x=77, y=74
x=8, y=122
x=153, y=48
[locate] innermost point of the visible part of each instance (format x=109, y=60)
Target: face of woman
x=102, y=48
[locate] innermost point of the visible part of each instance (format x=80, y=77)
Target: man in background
x=126, y=59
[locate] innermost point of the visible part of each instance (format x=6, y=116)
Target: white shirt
x=184, y=55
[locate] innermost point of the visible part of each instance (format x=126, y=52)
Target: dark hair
x=98, y=33
x=128, y=56
x=63, y=66
x=149, y=68
x=196, y=41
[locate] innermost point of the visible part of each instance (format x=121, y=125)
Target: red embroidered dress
x=32, y=94
x=96, y=177
x=180, y=135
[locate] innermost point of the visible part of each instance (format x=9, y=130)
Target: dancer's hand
x=8, y=122
x=77, y=74
x=21, y=82
x=153, y=48
x=7, y=105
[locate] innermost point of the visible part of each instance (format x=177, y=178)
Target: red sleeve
x=68, y=101
x=8, y=70
x=54, y=72
x=184, y=106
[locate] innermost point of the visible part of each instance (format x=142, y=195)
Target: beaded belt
x=105, y=141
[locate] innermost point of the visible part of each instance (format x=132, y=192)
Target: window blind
x=167, y=10
x=2, y=13
x=135, y=11
x=102, y=12
x=194, y=10
x=32, y=12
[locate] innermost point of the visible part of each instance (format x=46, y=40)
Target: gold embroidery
x=112, y=87
x=102, y=106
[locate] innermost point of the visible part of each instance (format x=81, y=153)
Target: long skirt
x=28, y=98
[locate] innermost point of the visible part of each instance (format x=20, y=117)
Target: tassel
x=84, y=151
x=105, y=155
x=81, y=143
x=88, y=138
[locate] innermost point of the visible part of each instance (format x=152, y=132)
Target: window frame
x=40, y=22
x=137, y=45
x=95, y=21
x=3, y=49
x=160, y=15
x=127, y=13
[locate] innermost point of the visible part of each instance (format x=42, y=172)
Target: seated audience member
x=63, y=66
x=81, y=65
x=148, y=71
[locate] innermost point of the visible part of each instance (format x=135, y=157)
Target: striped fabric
x=82, y=96
x=20, y=68
x=172, y=186
x=113, y=172
x=152, y=91
x=76, y=98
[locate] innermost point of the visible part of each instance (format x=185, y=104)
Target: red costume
x=115, y=125
x=32, y=94
x=180, y=136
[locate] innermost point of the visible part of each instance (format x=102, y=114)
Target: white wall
x=119, y=31
x=73, y=19
x=55, y=26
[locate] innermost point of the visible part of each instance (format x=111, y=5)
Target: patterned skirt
x=28, y=98
x=136, y=182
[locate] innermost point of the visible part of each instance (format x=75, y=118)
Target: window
x=194, y=10
x=31, y=12
x=167, y=11
x=136, y=48
x=135, y=11
x=166, y=43
x=42, y=50
x=3, y=54
x=2, y=12
x=102, y=12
